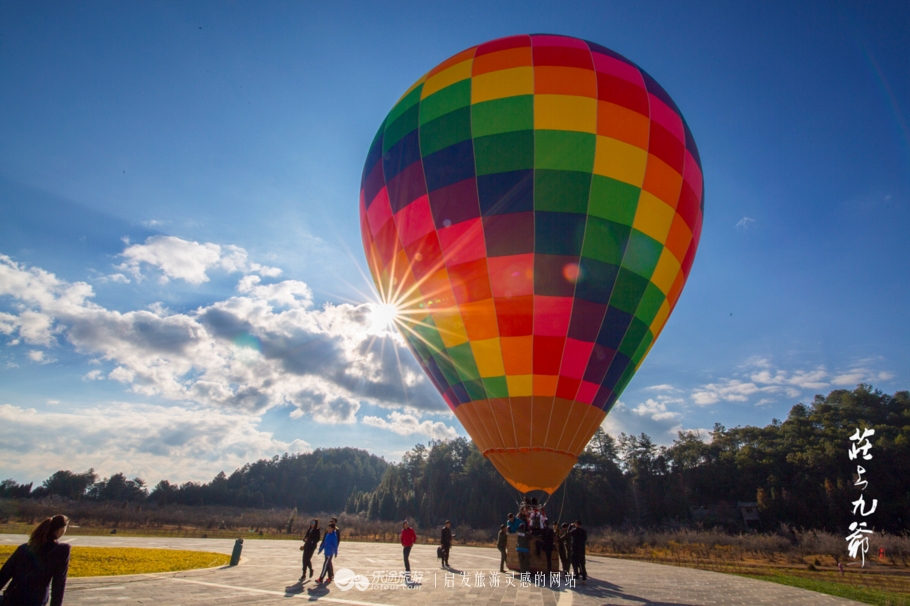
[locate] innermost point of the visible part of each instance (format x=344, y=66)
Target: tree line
x=797, y=471
x=321, y=480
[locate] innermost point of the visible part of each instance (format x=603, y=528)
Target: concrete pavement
x=269, y=571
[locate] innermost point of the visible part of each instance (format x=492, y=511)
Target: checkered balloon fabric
x=532, y=207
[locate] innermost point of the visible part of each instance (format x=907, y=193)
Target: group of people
x=328, y=547
x=409, y=537
x=532, y=527
x=533, y=530
x=37, y=570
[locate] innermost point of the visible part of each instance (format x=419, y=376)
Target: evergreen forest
x=797, y=471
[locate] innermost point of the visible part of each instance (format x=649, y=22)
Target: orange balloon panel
x=532, y=206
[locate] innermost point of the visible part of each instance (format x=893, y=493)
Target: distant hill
x=322, y=480
x=794, y=472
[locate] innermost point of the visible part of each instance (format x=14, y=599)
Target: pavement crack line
x=283, y=594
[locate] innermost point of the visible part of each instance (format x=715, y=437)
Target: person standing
x=523, y=548
x=501, y=542
x=513, y=523
x=546, y=543
x=408, y=538
x=330, y=546
x=563, y=541
x=446, y=542
x=337, y=530
x=579, y=541
x=38, y=566
x=310, y=540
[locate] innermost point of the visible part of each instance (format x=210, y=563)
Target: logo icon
x=345, y=579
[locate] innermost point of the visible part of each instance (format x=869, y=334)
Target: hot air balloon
x=531, y=207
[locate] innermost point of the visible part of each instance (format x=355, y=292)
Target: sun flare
x=382, y=317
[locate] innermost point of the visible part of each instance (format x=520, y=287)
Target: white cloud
x=36, y=355
x=35, y=328
x=651, y=417
x=662, y=387
x=730, y=390
x=744, y=223
x=855, y=376
x=8, y=323
x=804, y=379
x=812, y=379
x=154, y=442
x=656, y=410
x=53, y=402
x=180, y=259
x=406, y=425
x=764, y=378
x=268, y=346
x=117, y=278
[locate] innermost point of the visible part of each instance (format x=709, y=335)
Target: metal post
x=235, y=555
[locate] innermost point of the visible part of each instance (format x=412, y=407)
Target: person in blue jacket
x=513, y=523
x=330, y=547
x=37, y=566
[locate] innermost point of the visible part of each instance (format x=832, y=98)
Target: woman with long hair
x=310, y=541
x=38, y=566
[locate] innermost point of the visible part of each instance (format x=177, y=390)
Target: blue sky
x=182, y=290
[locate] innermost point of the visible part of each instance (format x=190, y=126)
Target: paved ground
x=269, y=570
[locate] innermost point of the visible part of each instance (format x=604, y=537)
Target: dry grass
x=106, y=561
x=801, y=559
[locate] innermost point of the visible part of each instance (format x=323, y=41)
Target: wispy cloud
x=175, y=442
x=855, y=376
x=744, y=223
x=663, y=387
x=38, y=356
x=760, y=376
x=407, y=424
x=730, y=390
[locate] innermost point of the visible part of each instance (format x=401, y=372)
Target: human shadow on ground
x=292, y=590
x=301, y=587
x=604, y=590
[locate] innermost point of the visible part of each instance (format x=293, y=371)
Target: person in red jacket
x=408, y=538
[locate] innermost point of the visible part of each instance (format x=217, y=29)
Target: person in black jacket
x=37, y=566
x=579, y=541
x=564, y=543
x=502, y=540
x=546, y=541
x=310, y=541
x=446, y=542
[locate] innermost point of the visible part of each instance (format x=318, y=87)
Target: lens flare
x=382, y=317
x=571, y=272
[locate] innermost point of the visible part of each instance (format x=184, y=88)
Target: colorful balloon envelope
x=532, y=206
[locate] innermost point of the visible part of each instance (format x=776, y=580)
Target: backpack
x=439, y=552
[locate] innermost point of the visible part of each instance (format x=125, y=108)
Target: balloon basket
x=538, y=562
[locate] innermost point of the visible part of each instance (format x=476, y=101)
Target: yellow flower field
x=104, y=561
